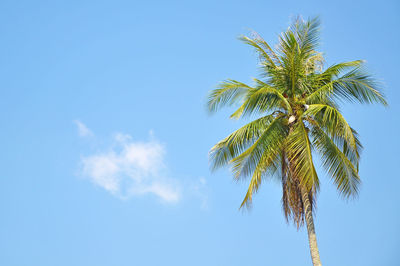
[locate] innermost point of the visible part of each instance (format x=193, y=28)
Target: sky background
x=105, y=136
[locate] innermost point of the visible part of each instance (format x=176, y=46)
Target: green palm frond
x=234, y=144
x=307, y=35
x=300, y=154
x=228, y=93
x=338, y=165
x=262, y=99
x=355, y=85
x=266, y=88
x=266, y=167
x=358, y=85
x=292, y=62
x=332, y=120
x=259, y=47
x=268, y=144
x=336, y=69
x=353, y=154
x=321, y=86
x=266, y=47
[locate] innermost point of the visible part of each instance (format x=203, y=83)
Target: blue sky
x=105, y=135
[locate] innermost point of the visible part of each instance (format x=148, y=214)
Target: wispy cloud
x=129, y=168
x=83, y=130
x=132, y=168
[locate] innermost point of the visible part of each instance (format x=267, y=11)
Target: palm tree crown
x=296, y=105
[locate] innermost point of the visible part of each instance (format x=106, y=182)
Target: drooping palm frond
x=262, y=99
x=351, y=154
x=333, y=121
x=358, y=85
x=228, y=93
x=299, y=152
x=265, y=87
x=338, y=165
x=339, y=138
x=266, y=166
x=268, y=144
x=261, y=158
x=237, y=142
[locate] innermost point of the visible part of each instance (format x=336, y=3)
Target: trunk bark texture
x=312, y=238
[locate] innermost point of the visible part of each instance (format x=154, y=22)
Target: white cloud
x=131, y=168
x=128, y=168
x=83, y=130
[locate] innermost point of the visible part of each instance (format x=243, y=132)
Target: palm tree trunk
x=312, y=238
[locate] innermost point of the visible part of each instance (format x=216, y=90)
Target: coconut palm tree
x=296, y=117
